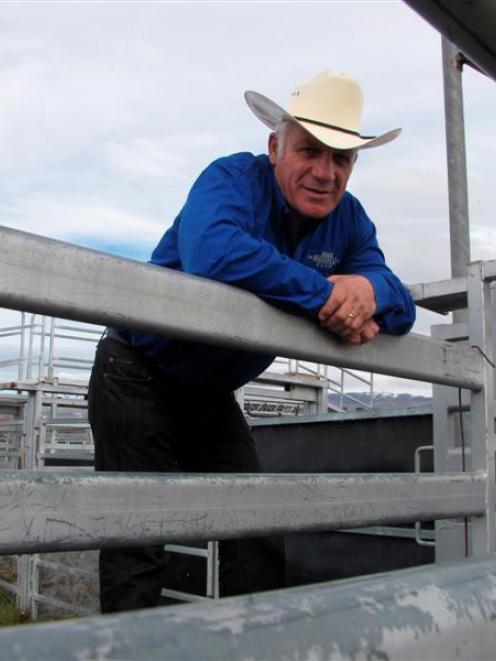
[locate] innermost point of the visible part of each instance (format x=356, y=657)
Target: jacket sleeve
x=217, y=239
x=395, y=306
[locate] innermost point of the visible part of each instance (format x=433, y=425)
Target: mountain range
x=382, y=400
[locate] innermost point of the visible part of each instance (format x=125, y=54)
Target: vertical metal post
x=24, y=578
x=21, y=369
x=35, y=585
x=213, y=570
x=29, y=365
x=32, y=429
x=483, y=442
x=41, y=358
x=457, y=167
x=51, y=349
x=449, y=424
x=450, y=533
x=322, y=397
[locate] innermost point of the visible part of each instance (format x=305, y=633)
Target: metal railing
x=47, y=349
x=440, y=613
x=45, y=511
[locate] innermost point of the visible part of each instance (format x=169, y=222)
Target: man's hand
x=368, y=331
x=349, y=309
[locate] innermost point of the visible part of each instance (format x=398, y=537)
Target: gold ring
x=351, y=314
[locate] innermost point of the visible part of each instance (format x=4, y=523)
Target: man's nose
x=325, y=168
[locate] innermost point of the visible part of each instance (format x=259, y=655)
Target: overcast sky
x=109, y=110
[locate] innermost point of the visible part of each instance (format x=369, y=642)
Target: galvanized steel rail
x=441, y=613
x=49, y=511
x=60, y=279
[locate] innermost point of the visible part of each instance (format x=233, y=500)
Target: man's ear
x=273, y=148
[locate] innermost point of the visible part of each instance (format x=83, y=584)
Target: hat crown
x=331, y=98
x=328, y=106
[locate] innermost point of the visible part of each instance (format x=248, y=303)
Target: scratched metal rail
x=56, y=278
x=433, y=612
x=56, y=511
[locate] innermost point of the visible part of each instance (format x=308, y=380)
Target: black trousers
x=142, y=423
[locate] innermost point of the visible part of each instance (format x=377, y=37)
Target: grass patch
x=9, y=614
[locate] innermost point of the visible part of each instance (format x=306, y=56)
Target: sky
x=109, y=111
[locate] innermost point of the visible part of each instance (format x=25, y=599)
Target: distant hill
x=382, y=400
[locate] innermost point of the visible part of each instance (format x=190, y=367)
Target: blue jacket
x=231, y=229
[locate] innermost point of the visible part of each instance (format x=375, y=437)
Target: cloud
x=69, y=216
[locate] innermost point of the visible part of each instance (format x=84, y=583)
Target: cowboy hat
x=328, y=106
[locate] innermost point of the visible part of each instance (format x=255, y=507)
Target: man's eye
x=310, y=151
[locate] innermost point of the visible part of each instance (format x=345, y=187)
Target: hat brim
x=272, y=115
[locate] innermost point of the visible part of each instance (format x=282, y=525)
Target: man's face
x=312, y=177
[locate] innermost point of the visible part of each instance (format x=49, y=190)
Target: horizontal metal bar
x=183, y=596
x=79, y=329
x=60, y=279
x=442, y=296
x=10, y=587
x=290, y=379
x=66, y=569
x=264, y=394
x=489, y=270
x=441, y=612
x=469, y=25
x=390, y=531
x=56, y=511
x=79, y=388
x=356, y=376
x=10, y=362
x=344, y=416
x=186, y=550
x=446, y=295
x=62, y=605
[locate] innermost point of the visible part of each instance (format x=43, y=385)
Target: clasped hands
x=349, y=309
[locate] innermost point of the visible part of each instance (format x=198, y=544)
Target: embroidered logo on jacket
x=323, y=260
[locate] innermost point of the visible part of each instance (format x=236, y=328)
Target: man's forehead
x=302, y=137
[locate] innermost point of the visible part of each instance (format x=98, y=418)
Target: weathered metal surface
x=51, y=277
x=61, y=511
x=446, y=295
x=456, y=161
x=342, y=416
x=489, y=270
x=446, y=612
x=441, y=296
x=482, y=435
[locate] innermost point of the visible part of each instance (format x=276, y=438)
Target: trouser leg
x=218, y=440
x=139, y=426
x=131, y=433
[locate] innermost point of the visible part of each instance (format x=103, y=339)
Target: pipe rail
x=441, y=613
x=60, y=279
x=62, y=511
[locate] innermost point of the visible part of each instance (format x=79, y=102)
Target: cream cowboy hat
x=329, y=106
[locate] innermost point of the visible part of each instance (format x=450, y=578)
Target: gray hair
x=281, y=132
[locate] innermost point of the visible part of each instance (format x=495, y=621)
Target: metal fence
x=397, y=614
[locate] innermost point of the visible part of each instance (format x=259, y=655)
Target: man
x=285, y=228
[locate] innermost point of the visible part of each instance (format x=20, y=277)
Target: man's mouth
x=317, y=191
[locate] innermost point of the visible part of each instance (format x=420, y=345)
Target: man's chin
x=316, y=211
